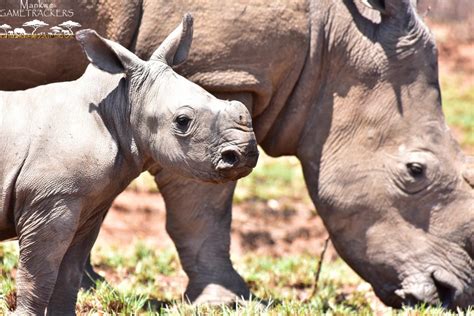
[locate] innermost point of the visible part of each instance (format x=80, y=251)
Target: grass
x=8, y=266
x=272, y=179
x=281, y=286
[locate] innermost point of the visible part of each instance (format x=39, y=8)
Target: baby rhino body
x=68, y=149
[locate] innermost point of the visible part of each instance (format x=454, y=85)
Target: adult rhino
x=70, y=148
x=352, y=91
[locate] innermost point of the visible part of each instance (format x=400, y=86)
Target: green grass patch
x=106, y=299
x=273, y=178
x=8, y=264
x=282, y=286
x=141, y=261
x=458, y=106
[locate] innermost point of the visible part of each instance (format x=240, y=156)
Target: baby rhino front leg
x=45, y=233
x=64, y=297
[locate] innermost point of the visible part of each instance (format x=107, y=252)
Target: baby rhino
x=68, y=149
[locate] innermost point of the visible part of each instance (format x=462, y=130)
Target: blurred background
x=277, y=235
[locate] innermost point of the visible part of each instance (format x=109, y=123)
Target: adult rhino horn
x=468, y=171
x=391, y=7
x=175, y=48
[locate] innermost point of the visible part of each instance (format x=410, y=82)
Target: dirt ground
x=455, y=49
x=267, y=228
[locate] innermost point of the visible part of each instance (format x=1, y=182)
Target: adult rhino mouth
x=438, y=289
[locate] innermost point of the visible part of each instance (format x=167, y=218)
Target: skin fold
x=349, y=87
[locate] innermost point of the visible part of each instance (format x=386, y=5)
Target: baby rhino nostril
x=230, y=157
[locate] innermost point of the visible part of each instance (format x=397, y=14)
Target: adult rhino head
x=390, y=182
x=175, y=120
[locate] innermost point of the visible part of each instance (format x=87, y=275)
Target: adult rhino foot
x=218, y=293
x=215, y=294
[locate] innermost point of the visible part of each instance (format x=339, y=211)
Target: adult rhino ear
x=175, y=48
x=107, y=55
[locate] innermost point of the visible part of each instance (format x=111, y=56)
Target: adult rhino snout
x=235, y=163
x=439, y=288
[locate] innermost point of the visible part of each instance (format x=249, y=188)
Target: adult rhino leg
x=198, y=220
x=63, y=300
x=90, y=277
x=44, y=238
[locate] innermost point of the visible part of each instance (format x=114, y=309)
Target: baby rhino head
x=175, y=123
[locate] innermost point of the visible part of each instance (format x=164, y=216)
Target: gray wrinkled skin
x=352, y=93
x=70, y=148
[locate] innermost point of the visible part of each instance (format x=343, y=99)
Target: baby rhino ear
x=107, y=55
x=175, y=48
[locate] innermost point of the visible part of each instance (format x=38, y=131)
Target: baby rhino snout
x=238, y=154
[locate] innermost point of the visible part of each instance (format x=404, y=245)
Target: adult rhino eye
x=415, y=169
x=182, y=121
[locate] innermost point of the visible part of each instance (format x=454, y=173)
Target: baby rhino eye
x=182, y=121
x=415, y=169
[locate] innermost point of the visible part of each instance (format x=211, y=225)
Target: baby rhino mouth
x=235, y=163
